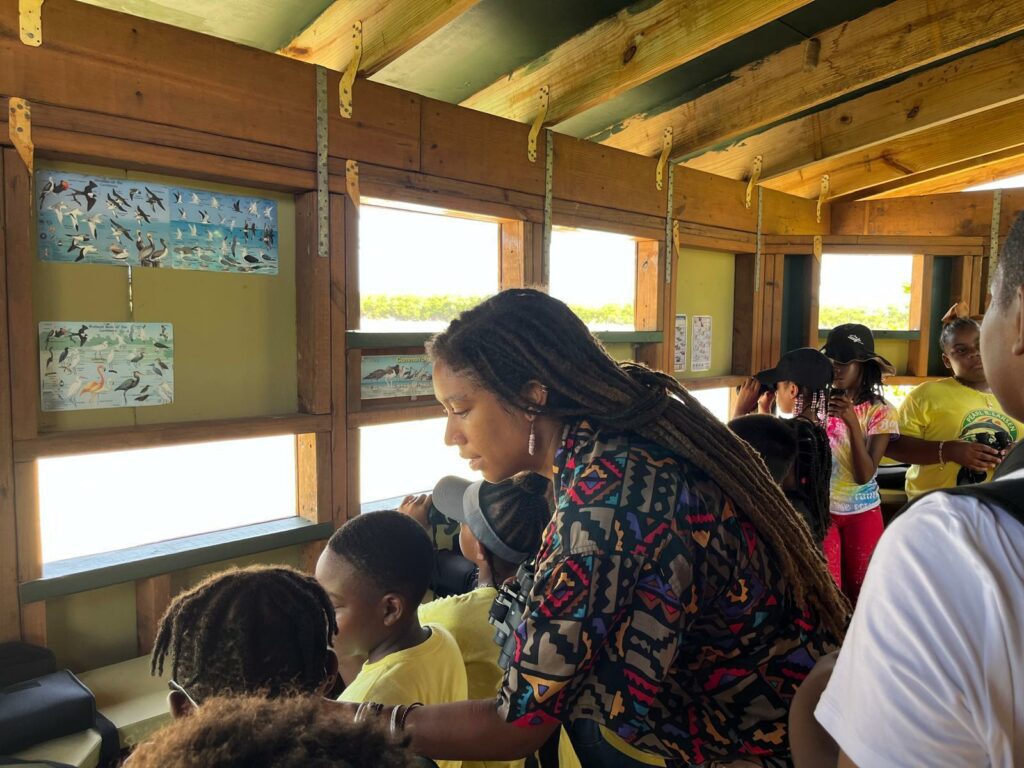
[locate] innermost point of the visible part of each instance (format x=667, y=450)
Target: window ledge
x=892, y=335
x=375, y=340
x=81, y=574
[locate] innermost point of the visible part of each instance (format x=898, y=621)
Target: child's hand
x=746, y=398
x=975, y=456
x=417, y=508
x=841, y=407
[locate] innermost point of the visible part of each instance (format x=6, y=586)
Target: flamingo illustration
x=94, y=387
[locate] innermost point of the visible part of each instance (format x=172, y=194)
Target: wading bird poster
x=679, y=355
x=396, y=376
x=99, y=220
x=85, y=365
x=700, y=346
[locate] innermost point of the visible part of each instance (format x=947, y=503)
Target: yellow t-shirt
x=948, y=410
x=465, y=617
x=431, y=673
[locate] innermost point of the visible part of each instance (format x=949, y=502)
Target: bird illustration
x=178, y=234
x=81, y=335
x=118, y=230
x=98, y=349
x=133, y=193
x=382, y=373
x=146, y=252
x=237, y=206
x=141, y=398
x=158, y=253
x=73, y=387
x=93, y=222
x=123, y=204
x=127, y=385
x=141, y=216
x=153, y=200
x=268, y=211
x=74, y=214
x=51, y=188
x=177, y=198
x=144, y=390
x=160, y=345
x=251, y=259
x=156, y=369
x=85, y=250
x=166, y=392
x=59, y=210
x=88, y=193
x=118, y=252
x=192, y=230
x=183, y=214
x=268, y=237
x=204, y=217
x=63, y=355
x=214, y=202
x=195, y=199
x=96, y=386
x=137, y=357
x=254, y=208
x=163, y=332
x=72, y=361
x=49, y=361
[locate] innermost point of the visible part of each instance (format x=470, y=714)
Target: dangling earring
x=531, y=444
x=822, y=407
x=799, y=405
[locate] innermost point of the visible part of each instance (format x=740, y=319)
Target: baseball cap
x=805, y=367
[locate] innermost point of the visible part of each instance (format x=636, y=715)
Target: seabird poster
x=98, y=220
x=700, y=348
x=679, y=355
x=85, y=365
x=396, y=376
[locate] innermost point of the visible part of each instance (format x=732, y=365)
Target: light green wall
x=234, y=334
x=96, y=628
x=621, y=352
x=896, y=351
x=705, y=286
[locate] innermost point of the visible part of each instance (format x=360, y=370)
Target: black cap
x=853, y=342
x=805, y=367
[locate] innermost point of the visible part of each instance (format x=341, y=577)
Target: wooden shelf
x=711, y=382
x=154, y=435
x=375, y=415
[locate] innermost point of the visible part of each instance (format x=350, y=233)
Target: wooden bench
x=133, y=700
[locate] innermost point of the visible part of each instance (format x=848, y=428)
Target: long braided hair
x=522, y=335
x=263, y=629
x=813, y=474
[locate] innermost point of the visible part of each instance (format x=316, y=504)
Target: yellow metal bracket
x=352, y=181
x=817, y=248
x=538, y=123
x=823, y=195
x=19, y=126
x=30, y=22
x=348, y=77
x=666, y=147
x=755, y=176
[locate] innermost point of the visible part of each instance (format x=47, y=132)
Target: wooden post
x=344, y=303
x=512, y=257
x=30, y=550
x=746, y=318
x=920, y=314
x=10, y=612
x=152, y=596
x=649, y=301
x=813, y=302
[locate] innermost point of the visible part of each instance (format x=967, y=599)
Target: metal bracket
x=757, y=242
x=817, y=248
x=30, y=22
x=323, y=201
x=676, y=248
x=549, y=170
x=538, y=123
x=993, y=248
x=755, y=176
x=671, y=226
x=352, y=181
x=19, y=127
x=666, y=147
x=348, y=77
x=823, y=195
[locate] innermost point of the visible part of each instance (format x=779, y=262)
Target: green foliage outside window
x=423, y=308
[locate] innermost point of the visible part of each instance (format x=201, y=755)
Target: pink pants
x=849, y=544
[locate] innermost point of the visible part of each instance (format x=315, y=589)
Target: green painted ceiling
x=496, y=36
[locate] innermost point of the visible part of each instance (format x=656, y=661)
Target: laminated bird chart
x=85, y=365
x=396, y=376
x=99, y=220
x=700, y=348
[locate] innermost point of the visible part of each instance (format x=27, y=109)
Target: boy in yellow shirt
x=951, y=430
x=375, y=570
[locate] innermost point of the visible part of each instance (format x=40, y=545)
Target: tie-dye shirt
x=658, y=610
x=848, y=497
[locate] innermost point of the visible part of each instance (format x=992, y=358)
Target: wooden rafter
x=389, y=30
x=982, y=80
x=953, y=143
x=955, y=178
x=623, y=51
x=883, y=44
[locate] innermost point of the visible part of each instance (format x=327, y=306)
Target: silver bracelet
x=942, y=464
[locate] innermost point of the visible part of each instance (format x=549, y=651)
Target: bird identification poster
x=679, y=355
x=700, y=347
x=99, y=220
x=396, y=376
x=85, y=365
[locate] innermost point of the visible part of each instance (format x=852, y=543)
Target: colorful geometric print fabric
x=848, y=497
x=657, y=611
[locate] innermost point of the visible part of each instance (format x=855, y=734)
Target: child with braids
x=860, y=426
x=264, y=630
x=799, y=385
x=375, y=570
x=679, y=599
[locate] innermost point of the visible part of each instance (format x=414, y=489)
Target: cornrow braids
x=950, y=329
x=265, y=629
x=523, y=335
x=813, y=471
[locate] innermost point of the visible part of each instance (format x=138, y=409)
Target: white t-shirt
x=932, y=669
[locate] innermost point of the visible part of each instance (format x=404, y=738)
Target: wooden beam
x=152, y=596
x=390, y=29
x=651, y=296
x=989, y=78
x=24, y=361
x=313, y=318
x=955, y=177
x=967, y=214
x=10, y=613
x=907, y=158
x=344, y=258
x=746, y=321
x=921, y=314
x=901, y=36
x=621, y=52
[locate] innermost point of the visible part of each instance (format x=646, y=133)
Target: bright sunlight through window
x=595, y=274
x=420, y=267
x=106, y=501
x=399, y=459
x=715, y=400
x=871, y=290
